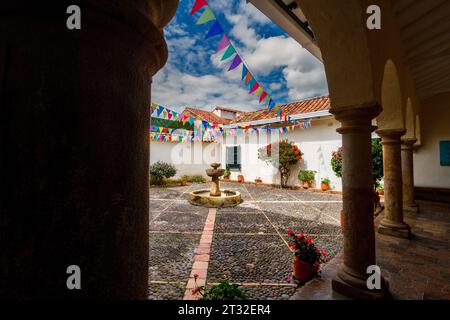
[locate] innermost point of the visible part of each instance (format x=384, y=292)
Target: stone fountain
x=214, y=197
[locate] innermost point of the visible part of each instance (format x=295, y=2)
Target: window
x=234, y=157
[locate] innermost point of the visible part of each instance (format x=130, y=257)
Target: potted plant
x=258, y=180
x=306, y=177
x=325, y=184
x=184, y=179
x=227, y=174
x=240, y=178
x=307, y=256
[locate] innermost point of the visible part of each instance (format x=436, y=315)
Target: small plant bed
x=222, y=291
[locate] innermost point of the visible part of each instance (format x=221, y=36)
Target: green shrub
x=307, y=175
x=326, y=181
x=197, y=179
x=160, y=171
x=377, y=161
x=227, y=173
x=185, y=178
x=224, y=291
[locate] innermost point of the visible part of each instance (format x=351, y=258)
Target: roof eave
x=300, y=116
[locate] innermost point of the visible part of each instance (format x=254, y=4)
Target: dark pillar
x=74, y=146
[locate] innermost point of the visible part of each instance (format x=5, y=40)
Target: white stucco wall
x=317, y=143
x=189, y=158
x=435, y=127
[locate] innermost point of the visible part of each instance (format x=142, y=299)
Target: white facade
x=317, y=143
x=189, y=158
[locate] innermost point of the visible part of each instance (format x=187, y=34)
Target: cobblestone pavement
x=248, y=243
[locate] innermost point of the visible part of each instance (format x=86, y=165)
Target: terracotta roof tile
x=299, y=107
x=204, y=115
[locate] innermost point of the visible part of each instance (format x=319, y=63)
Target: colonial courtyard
x=247, y=245
x=248, y=242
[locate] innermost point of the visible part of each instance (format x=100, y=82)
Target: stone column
x=393, y=223
x=408, y=175
x=74, y=138
x=358, y=230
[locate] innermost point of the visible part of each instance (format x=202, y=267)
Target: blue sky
x=195, y=77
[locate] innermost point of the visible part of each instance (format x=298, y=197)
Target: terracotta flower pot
x=304, y=271
x=258, y=181
x=240, y=178
x=226, y=178
x=183, y=183
x=324, y=186
x=305, y=184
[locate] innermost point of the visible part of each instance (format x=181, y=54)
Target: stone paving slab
x=264, y=258
x=179, y=221
x=236, y=222
x=171, y=256
x=157, y=206
x=169, y=291
x=167, y=193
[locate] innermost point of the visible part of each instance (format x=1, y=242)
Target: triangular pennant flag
x=271, y=104
x=251, y=83
x=263, y=95
x=255, y=86
x=236, y=62
x=257, y=92
x=159, y=110
x=244, y=71
x=248, y=77
x=278, y=112
x=225, y=42
x=215, y=30
x=230, y=51
x=198, y=5
x=169, y=115
x=206, y=16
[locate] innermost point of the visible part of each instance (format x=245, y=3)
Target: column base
x=358, y=291
x=414, y=208
x=395, y=229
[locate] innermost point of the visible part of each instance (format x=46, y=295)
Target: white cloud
x=177, y=90
x=302, y=74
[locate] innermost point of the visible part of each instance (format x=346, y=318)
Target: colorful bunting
x=225, y=42
x=217, y=29
x=230, y=51
x=206, y=16
x=198, y=5
x=236, y=62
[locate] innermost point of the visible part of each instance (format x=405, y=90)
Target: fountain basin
x=203, y=198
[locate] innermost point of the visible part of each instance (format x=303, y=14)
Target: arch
x=344, y=47
x=391, y=99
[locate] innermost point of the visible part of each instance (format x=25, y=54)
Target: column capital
x=390, y=136
x=356, y=118
x=408, y=143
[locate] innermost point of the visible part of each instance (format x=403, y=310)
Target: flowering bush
x=281, y=155
x=305, y=249
x=336, y=161
x=377, y=161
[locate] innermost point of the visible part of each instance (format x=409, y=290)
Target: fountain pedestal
x=214, y=197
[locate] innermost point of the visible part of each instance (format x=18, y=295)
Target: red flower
x=308, y=240
x=196, y=290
